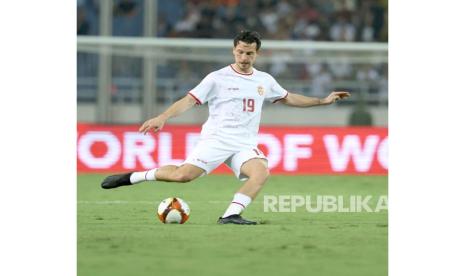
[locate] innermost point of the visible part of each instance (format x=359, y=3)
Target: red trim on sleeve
x=195, y=98
x=287, y=93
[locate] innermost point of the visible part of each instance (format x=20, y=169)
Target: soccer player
x=235, y=96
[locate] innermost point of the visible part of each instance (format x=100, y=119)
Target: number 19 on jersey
x=248, y=105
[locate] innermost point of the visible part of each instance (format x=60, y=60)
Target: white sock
x=137, y=177
x=238, y=204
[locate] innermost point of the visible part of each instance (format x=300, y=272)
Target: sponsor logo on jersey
x=260, y=90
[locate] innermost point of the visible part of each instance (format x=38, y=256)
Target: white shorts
x=209, y=154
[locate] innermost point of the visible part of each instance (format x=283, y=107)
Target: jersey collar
x=230, y=65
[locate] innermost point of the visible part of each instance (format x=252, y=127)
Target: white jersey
x=235, y=103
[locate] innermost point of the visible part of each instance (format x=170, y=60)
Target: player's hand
x=155, y=124
x=335, y=96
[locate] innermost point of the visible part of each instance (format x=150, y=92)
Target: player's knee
x=261, y=176
x=265, y=174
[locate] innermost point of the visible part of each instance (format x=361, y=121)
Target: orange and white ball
x=173, y=210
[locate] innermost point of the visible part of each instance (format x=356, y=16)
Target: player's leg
x=194, y=166
x=169, y=173
x=183, y=173
x=250, y=166
x=257, y=172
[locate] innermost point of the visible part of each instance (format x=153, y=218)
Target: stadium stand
x=310, y=20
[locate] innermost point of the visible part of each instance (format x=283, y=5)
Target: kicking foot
x=235, y=219
x=114, y=181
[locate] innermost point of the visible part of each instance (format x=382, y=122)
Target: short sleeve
x=276, y=92
x=202, y=93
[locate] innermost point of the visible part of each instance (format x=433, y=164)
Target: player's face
x=245, y=55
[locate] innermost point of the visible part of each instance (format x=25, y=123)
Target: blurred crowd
x=311, y=20
x=320, y=20
x=336, y=20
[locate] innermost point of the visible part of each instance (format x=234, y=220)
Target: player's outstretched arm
x=156, y=123
x=298, y=100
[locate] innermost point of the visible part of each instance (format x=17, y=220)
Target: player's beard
x=244, y=66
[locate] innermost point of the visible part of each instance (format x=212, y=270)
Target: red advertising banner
x=290, y=150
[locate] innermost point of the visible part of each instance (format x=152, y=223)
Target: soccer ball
x=173, y=210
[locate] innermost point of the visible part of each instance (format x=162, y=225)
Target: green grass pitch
x=119, y=233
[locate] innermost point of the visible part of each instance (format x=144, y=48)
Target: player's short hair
x=248, y=37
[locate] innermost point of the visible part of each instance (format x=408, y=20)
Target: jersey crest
x=260, y=90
